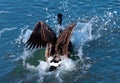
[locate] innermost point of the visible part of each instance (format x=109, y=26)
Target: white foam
x=81, y=34
x=24, y=35
x=30, y=67
x=67, y=64
x=6, y=29
x=44, y=66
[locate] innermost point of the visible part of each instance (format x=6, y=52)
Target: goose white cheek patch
x=55, y=64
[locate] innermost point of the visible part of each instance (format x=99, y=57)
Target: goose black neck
x=59, y=19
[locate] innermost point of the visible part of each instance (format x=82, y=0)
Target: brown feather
x=63, y=40
x=41, y=35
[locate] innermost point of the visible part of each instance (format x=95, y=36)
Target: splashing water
x=81, y=34
x=23, y=37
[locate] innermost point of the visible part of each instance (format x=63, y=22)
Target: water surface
x=97, y=35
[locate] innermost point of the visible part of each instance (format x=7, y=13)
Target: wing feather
x=41, y=35
x=63, y=40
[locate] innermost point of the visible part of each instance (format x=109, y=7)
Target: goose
x=44, y=37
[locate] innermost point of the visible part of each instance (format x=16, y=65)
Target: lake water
x=96, y=38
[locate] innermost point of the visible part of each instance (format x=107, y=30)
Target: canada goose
x=44, y=36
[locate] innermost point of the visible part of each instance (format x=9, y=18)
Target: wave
x=3, y=12
x=6, y=29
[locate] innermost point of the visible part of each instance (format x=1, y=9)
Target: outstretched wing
x=41, y=35
x=63, y=40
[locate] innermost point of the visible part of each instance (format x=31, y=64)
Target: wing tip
x=72, y=25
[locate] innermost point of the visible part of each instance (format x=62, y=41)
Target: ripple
x=6, y=29
x=3, y=12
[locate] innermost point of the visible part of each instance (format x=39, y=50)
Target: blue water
x=103, y=49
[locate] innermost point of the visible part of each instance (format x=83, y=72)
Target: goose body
x=44, y=37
